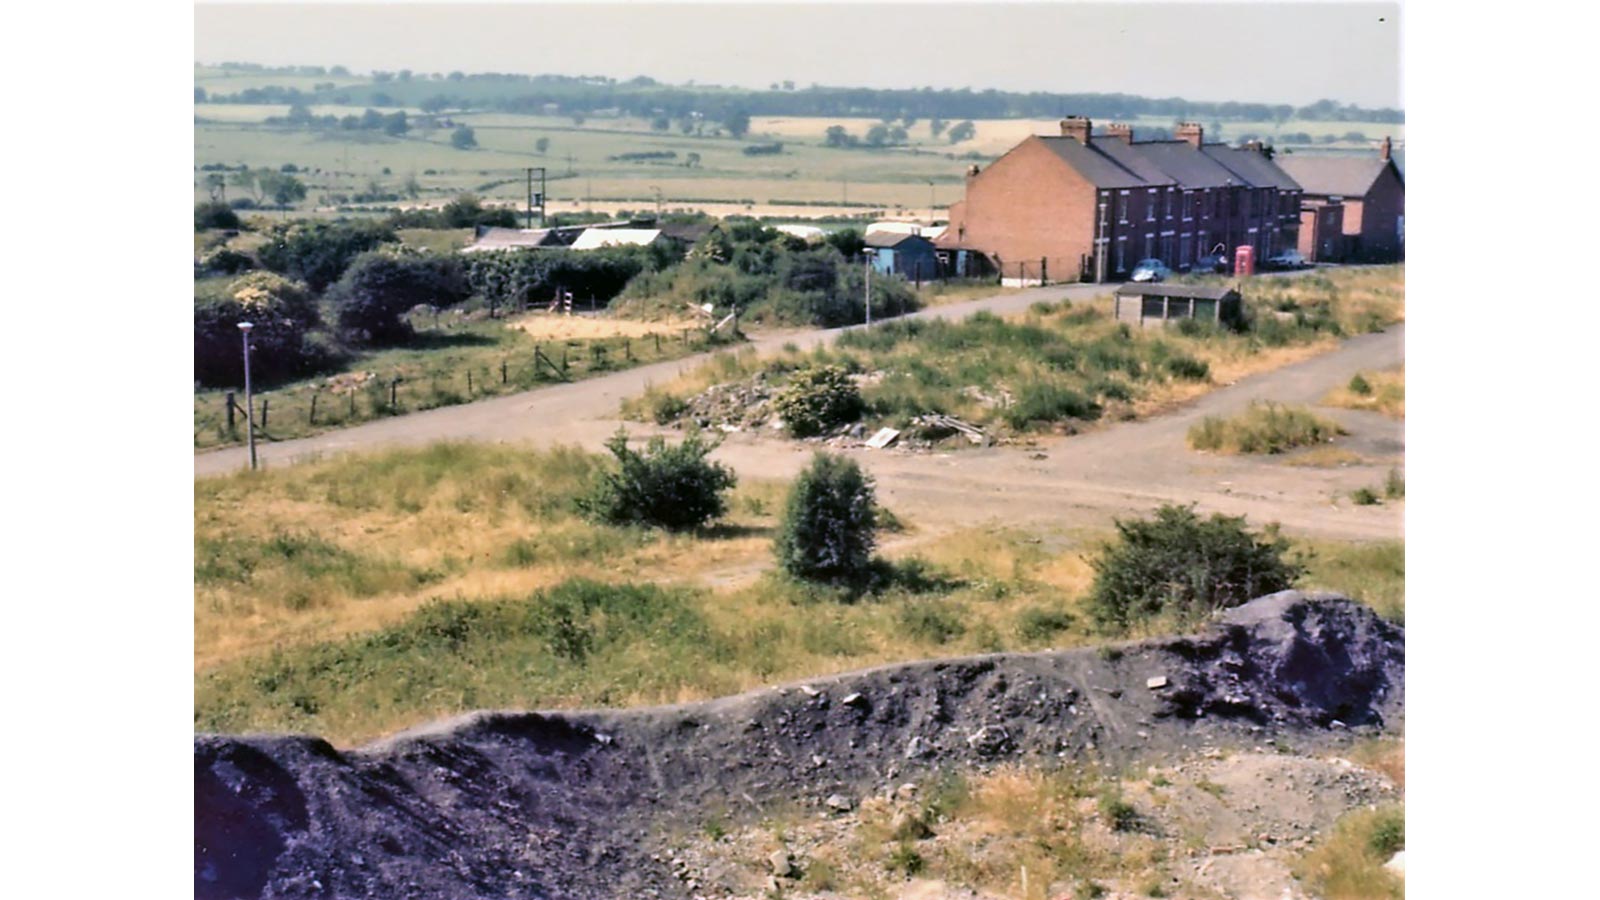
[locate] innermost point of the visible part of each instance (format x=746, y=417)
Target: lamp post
x=869, y=288
x=933, y=213
x=249, y=406
x=658, y=203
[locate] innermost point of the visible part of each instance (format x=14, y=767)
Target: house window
x=1171, y=197
x=1183, y=250
x=1122, y=253
x=1149, y=246
x=1122, y=207
x=1150, y=201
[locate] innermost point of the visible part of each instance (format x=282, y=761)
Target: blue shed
x=908, y=255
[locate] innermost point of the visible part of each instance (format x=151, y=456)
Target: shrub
x=1360, y=385
x=1364, y=496
x=1394, y=485
x=214, y=215
x=829, y=523
x=672, y=487
x=1041, y=624
x=1263, y=428
x=817, y=399
x=1180, y=564
x=281, y=347
x=378, y=289
x=319, y=252
x=1187, y=368
x=1046, y=401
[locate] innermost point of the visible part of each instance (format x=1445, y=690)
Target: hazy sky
x=1265, y=52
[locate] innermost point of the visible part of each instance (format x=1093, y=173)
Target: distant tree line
x=731, y=108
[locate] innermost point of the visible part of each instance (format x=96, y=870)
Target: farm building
x=1154, y=305
x=1372, y=192
x=491, y=238
x=908, y=255
x=595, y=238
x=1090, y=207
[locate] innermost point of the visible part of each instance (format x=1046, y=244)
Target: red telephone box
x=1244, y=260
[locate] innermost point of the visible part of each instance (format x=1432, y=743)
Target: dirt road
x=1084, y=480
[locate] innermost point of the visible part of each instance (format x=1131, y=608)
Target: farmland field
x=584, y=171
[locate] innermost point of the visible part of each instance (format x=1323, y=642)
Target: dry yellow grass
x=1325, y=457
x=549, y=326
x=1386, y=393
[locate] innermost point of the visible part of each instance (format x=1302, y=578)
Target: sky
x=1250, y=52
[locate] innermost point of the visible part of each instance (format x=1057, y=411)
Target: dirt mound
x=569, y=804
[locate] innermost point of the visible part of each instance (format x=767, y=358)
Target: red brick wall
x=1027, y=205
x=1377, y=222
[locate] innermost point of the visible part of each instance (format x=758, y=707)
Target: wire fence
x=355, y=397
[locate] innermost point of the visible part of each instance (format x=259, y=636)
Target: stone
x=855, y=700
x=1397, y=864
x=782, y=864
x=1156, y=683
x=990, y=740
x=839, y=803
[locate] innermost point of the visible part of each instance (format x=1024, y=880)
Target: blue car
x=1151, y=270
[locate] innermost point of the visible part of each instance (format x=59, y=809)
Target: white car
x=1288, y=259
x=1151, y=270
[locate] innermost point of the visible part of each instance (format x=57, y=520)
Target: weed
x=1263, y=428
x=1394, y=485
x=1364, y=496
x=931, y=622
x=1360, y=386
x=1210, y=787
x=1040, y=624
x=1119, y=814
x=904, y=859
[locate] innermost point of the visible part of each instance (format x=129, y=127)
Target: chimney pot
x=1385, y=149
x=1120, y=130
x=1077, y=128
x=1191, y=133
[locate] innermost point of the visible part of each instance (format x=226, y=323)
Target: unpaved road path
x=1079, y=481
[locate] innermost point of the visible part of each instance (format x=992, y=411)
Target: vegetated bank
x=1058, y=367
x=572, y=804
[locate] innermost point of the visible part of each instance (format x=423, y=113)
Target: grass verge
x=1383, y=392
x=1349, y=864
x=1263, y=428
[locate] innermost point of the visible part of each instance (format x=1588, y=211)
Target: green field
x=807, y=179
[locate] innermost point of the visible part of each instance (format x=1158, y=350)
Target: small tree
x=214, y=215
x=1182, y=565
x=818, y=399
x=829, y=523
x=541, y=145
x=672, y=487
x=463, y=138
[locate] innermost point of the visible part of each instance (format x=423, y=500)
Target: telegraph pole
x=536, y=198
x=869, y=289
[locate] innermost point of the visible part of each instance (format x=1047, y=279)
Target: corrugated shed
x=595, y=238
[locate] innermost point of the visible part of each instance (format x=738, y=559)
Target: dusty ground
x=551, y=326
x=588, y=804
x=1083, y=480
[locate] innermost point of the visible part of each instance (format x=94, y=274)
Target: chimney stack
x=1077, y=128
x=1121, y=131
x=1385, y=149
x=1191, y=133
x=1252, y=145
x=972, y=171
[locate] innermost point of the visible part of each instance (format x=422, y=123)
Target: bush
x=818, y=399
x=214, y=215
x=319, y=252
x=829, y=523
x=1263, y=428
x=1360, y=386
x=283, y=315
x=378, y=289
x=1180, y=564
x=1046, y=401
x=672, y=487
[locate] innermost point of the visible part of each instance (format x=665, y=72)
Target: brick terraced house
x=1373, y=195
x=1091, y=206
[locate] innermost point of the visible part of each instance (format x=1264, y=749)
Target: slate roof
x=1343, y=176
x=512, y=239
x=1108, y=162
x=890, y=238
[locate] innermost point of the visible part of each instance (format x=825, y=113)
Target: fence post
x=502, y=371
x=1044, y=263
x=394, y=395
x=563, y=359
x=311, y=419
x=469, y=382
x=352, y=396
x=230, y=404
x=627, y=349
x=658, y=341
x=264, y=402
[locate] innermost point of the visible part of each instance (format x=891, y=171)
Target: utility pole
x=869, y=289
x=536, y=198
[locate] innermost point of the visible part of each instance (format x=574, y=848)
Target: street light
x=249, y=406
x=658, y=203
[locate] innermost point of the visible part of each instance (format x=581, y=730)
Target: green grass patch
x=1263, y=428
x=1373, y=573
x=1348, y=865
x=454, y=359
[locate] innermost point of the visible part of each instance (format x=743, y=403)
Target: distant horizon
x=619, y=79
x=1274, y=53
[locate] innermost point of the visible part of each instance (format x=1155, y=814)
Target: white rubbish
x=1156, y=683
x=883, y=438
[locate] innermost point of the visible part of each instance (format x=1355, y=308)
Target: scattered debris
x=1156, y=683
x=883, y=438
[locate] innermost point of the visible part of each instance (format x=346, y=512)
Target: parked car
x=1216, y=262
x=1151, y=270
x=1288, y=259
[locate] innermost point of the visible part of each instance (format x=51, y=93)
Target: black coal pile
x=573, y=804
